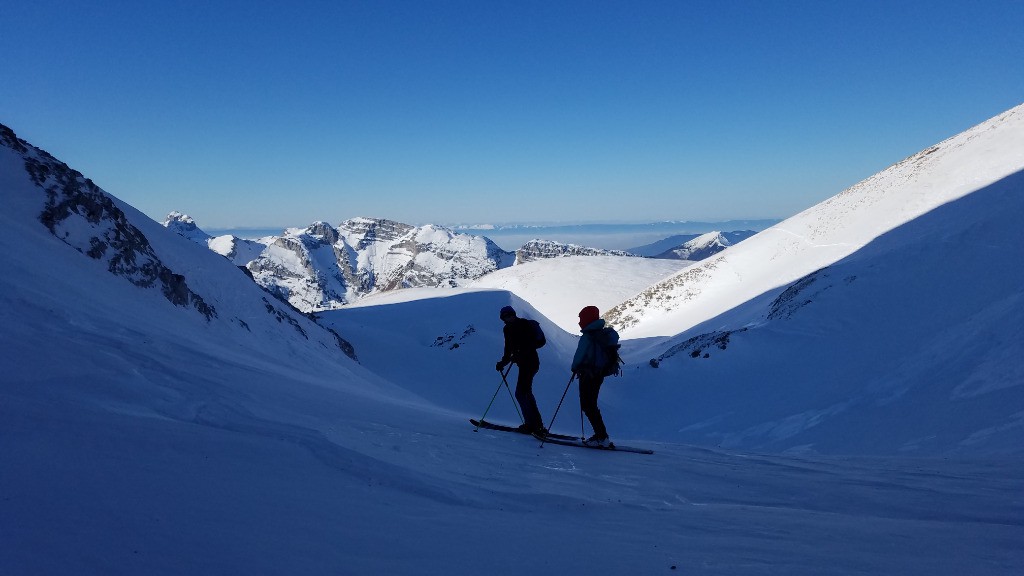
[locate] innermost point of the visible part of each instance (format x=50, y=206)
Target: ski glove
x=500, y=366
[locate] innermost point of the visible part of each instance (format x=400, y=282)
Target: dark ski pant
x=524, y=395
x=590, y=387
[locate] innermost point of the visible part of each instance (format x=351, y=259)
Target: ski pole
x=512, y=396
x=495, y=395
x=552, y=423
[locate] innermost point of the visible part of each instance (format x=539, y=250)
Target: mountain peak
x=323, y=268
x=185, y=226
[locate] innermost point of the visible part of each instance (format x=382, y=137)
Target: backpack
x=607, y=361
x=538, y=335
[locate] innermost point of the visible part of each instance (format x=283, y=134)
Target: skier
x=521, y=343
x=590, y=373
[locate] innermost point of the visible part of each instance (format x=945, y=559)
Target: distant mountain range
x=322, y=268
x=667, y=227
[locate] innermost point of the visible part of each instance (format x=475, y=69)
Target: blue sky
x=257, y=113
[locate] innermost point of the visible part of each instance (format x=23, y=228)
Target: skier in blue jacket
x=584, y=365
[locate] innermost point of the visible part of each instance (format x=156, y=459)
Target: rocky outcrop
x=239, y=250
x=541, y=249
x=83, y=216
x=322, y=267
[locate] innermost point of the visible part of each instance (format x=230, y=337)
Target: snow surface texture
x=833, y=434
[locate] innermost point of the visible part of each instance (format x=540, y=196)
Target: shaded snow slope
x=444, y=348
x=912, y=344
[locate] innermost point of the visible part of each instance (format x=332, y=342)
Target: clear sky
x=251, y=113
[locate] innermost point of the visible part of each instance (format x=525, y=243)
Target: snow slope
x=912, y=344
x=140, y=436
x=560, y=287
x=829, y=231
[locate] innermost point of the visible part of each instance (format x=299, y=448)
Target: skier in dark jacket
x=590, y=375
x=520, y=349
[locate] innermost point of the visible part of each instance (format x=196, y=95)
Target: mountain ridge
x=129, y=246
x=828, y=231
x=322, y=268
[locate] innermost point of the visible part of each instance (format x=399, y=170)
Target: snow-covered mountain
x=183, y=225
x=50, y=203
x=889, y=316
x=322, y=267
x=704, y=246
x=665, y=248
x=540, y=249
x=767, y=263
x=191, y=424
x=240, y=251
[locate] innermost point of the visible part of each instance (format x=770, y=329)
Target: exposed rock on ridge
x=322, y=267
x=239, y=250
x=540, y=249
x=84, y=217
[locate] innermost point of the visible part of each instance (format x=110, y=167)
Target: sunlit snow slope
x=888, y=319
x=560, y=287
x=828, y=231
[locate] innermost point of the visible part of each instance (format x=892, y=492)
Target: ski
x=503, y=428
x=579, y=443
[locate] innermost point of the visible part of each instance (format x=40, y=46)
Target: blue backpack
x=607, y=361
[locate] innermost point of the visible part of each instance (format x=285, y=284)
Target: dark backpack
x=607, y=361
x=538, y=335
